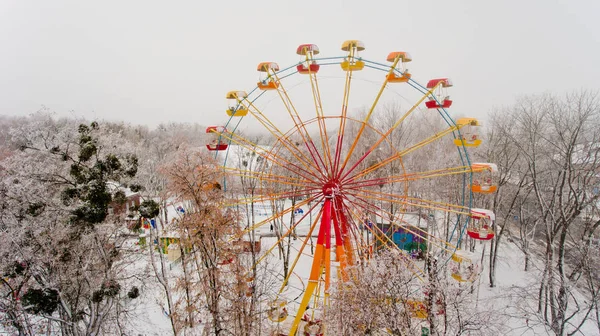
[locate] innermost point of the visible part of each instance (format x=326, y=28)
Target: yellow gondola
x=417, y=309
x=462, y=266
x=277, y=311
x=468, y=131
x=235, y=109
x=352, y=62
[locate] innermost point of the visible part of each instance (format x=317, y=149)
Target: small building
x=166, y=239
x=173, y=252
x=126, y=207
x=409, y=233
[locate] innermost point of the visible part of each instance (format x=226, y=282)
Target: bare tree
x=557, y=140
x=195, y=180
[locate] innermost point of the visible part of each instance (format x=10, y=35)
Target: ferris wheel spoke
x=362, y=246
x=410, y=201
x=275, y=179
x=371, y=128
x=423, y=235
x=266, y=177
x=273, y=217
x=280, y=136
x=368, y=208
x=359, y=241
x=382, y=138
x=379, y=181
x=339, y=170
x=313, y=225
x=346, y=240
x=382, y=238
x=417, y=231
x=292, y=227
x=429, y=140
x=276, y=151
x=415, y=202
x=396, y=155
x=314, y=83
x=271, y=197
x=342, y=125
x=351, y=246
x=342, y=226
x=386, y=241
x=300, y=126
x=282, y=237
x=276, y=159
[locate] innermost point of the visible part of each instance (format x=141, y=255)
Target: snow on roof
x=115, y=186
x=461, y=255
x=483, y=213
x=169, y=234
x=411, y=219
x=175, y=209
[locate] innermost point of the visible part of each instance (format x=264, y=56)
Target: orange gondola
x=266, y=79
x=403, y=58
x=484, y=178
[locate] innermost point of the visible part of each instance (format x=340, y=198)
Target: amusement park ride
x=334, y=175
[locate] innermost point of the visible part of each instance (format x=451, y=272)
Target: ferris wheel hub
x=331, y=188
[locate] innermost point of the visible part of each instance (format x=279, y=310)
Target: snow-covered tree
x=61, y=253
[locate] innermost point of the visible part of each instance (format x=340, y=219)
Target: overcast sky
x=148, y=62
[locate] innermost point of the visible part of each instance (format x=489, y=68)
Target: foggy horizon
x=150, y=63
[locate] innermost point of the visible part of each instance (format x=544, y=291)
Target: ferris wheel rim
x=285, y=72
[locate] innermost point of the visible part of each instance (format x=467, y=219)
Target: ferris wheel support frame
x=333, y=171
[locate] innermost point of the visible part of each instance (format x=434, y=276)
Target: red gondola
x=308, y=65
x=218, y=142
x=481, y=224
x=439, y=97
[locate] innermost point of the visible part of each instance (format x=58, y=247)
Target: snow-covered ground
x=515, y=295
x=511, y=303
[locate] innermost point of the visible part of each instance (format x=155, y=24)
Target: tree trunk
x=492, y=271
x=162, y=279
x=188, y=299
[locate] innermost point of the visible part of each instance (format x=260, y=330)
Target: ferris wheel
x=345, y=183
